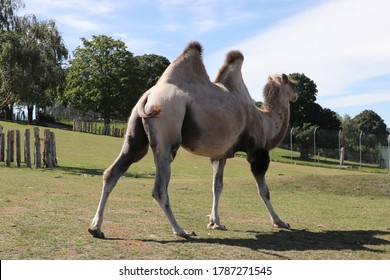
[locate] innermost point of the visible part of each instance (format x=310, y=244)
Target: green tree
x=31, y=58
x=306, y=115
x=370, y=129
x=8, y=14
x=151, y=67
x=8, y=24
x=103, y=77
x=44, y=54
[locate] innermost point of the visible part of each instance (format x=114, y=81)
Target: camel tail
x=156, y=110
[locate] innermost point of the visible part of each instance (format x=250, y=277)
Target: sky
x=342, y=45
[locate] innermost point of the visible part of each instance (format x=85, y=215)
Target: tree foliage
x=151, y=66
x=367, y=129
x=105, y=77
x=8, y=14
x=307, y=115
x=32, y=54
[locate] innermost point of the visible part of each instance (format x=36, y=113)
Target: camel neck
x=275, y=122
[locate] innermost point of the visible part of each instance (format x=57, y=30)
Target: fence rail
x=11, y=148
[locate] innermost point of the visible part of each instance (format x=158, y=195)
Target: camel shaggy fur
x=211, y=119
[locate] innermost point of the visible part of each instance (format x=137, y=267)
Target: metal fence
x=349, y=148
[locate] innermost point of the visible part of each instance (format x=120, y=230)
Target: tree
x=370, y=129
x=8, y=24
x=307, y=115
x=31, y=55
x=44, y=53
x=8, y=16
x=103, y=77
x=151, y=67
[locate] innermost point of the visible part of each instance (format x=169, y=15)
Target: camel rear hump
x=230, y=74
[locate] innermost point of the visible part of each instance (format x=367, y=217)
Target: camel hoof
x=186, y=235
x=216, y=226
x=281, y=224
x=97, y=233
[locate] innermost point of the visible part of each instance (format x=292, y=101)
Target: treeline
x=103, y=76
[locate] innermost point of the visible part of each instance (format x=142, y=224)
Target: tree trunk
x=30, y=110
x=106, y=128
x=304, y=153
x=9, y=112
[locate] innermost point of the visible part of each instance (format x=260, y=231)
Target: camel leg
x=160, y=191
x=134, y=148
x=218, y=167
x=259, y=165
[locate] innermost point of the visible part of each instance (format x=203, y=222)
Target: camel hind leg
x=164, y=135
x=134, y=148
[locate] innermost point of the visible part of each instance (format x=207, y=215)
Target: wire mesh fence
x=346, y=148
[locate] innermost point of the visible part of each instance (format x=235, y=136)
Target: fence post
x=38, y=162
x=12, y=146
x=18, y=153
x=388, y=150
x=53, y=149
x=8, y=151
x=315, y=144
x=291, y=144
x=1, y=144
x=27, y=155
x=360, y=149
x=47, y=161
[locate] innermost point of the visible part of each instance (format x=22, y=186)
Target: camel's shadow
x=301, y=240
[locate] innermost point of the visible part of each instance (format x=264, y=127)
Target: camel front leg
x=264, y=193
x=218, y=167
x=160, y=192
x=259, y=162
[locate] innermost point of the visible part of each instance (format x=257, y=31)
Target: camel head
x=279, y=90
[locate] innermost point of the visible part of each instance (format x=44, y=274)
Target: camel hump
x=233, y=56
x=194, y=45
x=188, y=66
x=230, y=73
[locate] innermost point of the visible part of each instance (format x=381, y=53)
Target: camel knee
x=259, y=162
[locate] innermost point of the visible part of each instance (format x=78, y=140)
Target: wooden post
x=8, y=152
x=18, y=152
x=37, y=153
x=27, y=154
x=53, y=149
x=12, y=135
x=46, y=150
x=1, y=144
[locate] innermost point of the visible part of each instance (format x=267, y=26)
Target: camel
x=211, y=119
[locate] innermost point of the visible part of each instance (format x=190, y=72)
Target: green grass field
x=44, y=214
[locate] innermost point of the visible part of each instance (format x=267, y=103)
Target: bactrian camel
x=211, y=119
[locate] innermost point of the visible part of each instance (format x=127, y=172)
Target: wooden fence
x=11, y=148
x=98, y=128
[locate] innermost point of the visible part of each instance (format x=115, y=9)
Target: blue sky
x=342, y=45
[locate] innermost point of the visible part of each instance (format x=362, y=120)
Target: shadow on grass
x=301, y=240
x=83, y=171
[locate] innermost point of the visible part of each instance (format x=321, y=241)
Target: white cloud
x=337, y=44
x=356, y=100
x=202, y=16
x=79, y=23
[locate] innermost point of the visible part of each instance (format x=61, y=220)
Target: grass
x=44, y=214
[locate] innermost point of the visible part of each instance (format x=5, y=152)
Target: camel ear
x=269, y=78
x=285, y=78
